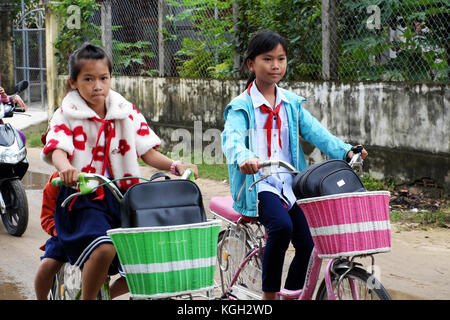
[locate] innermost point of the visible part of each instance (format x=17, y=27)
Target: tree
x=6, y=45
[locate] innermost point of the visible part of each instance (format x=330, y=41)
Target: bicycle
x=67, y=282
x=241, y=247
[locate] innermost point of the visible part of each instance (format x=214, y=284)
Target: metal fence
x=161, y=38
x=365, y=40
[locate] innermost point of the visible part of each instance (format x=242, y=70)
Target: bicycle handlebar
x=356, y=161
x=84, y=178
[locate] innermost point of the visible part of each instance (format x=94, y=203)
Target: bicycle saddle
x=224, y=207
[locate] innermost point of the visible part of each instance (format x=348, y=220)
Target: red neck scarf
x=108, y=129
x=272, y=115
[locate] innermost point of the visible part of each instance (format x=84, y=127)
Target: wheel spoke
x=355, y=284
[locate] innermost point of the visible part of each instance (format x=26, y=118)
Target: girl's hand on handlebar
x=364, y=153
x=67, y=173
x=18, y=100
x=69, y=176
x=250, y=166
x=182, y=167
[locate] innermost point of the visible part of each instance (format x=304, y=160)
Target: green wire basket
x=161, y=262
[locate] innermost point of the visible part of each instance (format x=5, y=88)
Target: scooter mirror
x=22, y=85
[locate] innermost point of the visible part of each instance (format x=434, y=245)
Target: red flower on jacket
x=126, y=183
x=64, y=128
x=79, y=138
x=123, y=146
x=98, y=153
x=135, y=109
x=88, y=169
x=50, y=146
x=144, y=130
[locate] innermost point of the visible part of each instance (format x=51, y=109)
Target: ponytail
x=250, y=79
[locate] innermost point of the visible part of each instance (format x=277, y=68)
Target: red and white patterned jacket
x=94, y=145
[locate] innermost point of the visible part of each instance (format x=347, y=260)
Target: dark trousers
x=283, y=226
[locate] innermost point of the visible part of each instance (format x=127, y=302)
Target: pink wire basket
x=349, y=224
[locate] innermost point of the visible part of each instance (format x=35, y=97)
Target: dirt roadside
x=418, y=267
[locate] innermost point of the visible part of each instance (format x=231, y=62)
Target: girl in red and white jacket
x=97, y=130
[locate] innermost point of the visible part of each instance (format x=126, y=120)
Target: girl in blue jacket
x=266, y=122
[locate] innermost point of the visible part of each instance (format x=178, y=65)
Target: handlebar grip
x=188, y=174
x=84, y=188
x=357, y=149
x=56, y=182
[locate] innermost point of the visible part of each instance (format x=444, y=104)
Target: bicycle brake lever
x=259, y=180
x=357, y=161
x=73, y=195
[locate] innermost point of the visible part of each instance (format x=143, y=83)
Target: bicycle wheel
x=366, y=286
x=57, y=289
x=72, y=282
x=67, y=285
x=233, y=248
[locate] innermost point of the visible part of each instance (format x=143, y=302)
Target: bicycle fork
x=332, y=265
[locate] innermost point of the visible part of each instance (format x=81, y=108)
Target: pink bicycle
x=343, y=226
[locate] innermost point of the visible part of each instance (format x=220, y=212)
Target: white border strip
x=209, y=223
x=354, y=253
x=351, y=228
x=169, y=266
x=345, y=195
x=169, y=294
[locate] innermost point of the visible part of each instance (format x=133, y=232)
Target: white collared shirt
x=279, y=183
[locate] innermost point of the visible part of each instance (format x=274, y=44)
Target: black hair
x=263, y=41
x=85, y=52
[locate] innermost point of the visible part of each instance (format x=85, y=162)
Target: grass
x=422, y=219
x=372, y=184
x=33, y=139
x=34, y=133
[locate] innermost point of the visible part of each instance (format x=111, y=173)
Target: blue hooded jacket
x=238, y=144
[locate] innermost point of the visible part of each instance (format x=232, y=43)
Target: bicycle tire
x=232, y=248
x=15, y=218
x=368, y=286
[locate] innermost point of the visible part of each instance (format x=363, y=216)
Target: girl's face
x=93, y=82
x=269, y=67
